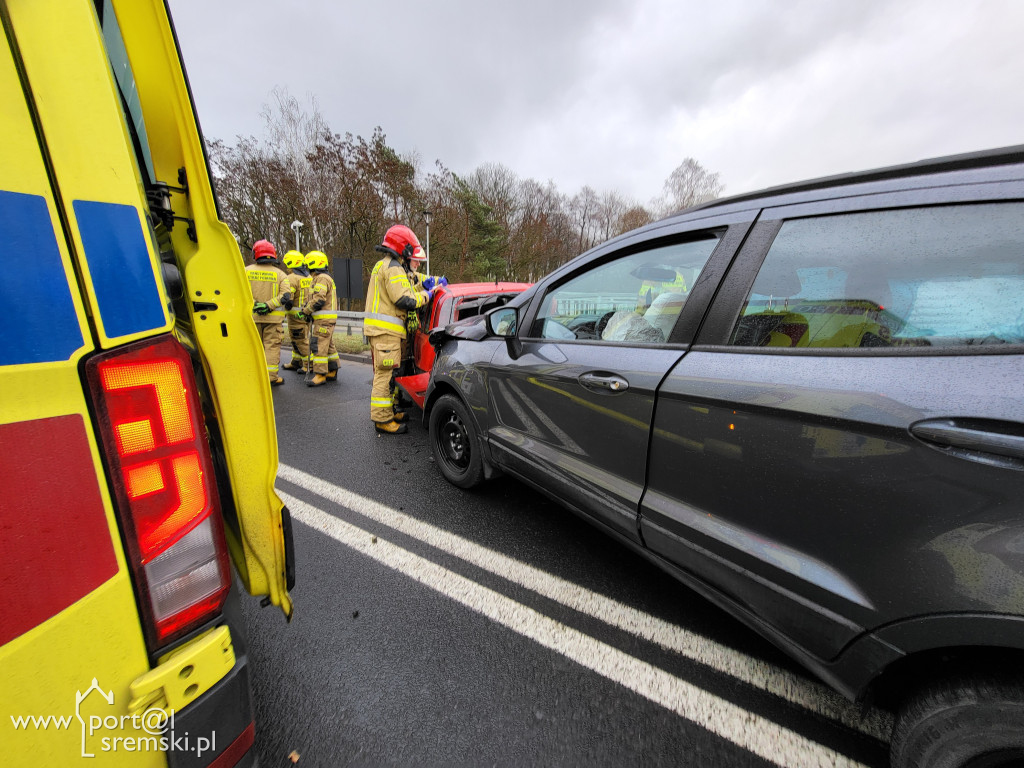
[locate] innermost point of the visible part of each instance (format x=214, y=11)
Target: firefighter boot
x=390, y=427
x=276, y=382
x=332, y=375
x=317, y=380
x=292, y=365
x=400, y=416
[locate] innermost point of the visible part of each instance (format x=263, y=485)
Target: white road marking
x=805, y=693
x=756, y=734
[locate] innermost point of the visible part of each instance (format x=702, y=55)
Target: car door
x=571, y=399
x=842, y=447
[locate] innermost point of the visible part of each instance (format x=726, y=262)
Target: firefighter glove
x=412, y=322
x=435, y=282
x=260, y=308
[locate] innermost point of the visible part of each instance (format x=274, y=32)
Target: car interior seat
x=664, y=311
x=856, y=319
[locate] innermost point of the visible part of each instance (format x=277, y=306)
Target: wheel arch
x=442, y=387
x=945, y=646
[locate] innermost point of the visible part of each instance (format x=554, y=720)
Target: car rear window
x=921, y=277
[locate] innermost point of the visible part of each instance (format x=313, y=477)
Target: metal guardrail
x=575, y=304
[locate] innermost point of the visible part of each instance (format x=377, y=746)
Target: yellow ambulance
x=136, y=425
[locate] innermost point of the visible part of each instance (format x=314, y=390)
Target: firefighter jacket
x=651, y=289
x=389, y=298
x=268, y=284
x=299, y=284
x=321, y=301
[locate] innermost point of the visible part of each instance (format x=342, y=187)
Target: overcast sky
x=616, y=93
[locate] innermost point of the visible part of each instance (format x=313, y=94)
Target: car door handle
x=603, y=382
x=977, y=435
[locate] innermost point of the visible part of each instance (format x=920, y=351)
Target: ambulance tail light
x=150, y=422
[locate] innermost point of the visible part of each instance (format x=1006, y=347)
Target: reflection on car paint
x=980, y=568
x=790, y=560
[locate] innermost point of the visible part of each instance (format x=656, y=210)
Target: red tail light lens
x=162, y=474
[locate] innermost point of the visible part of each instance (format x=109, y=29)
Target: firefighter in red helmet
x=271, y=297
x=389, y=297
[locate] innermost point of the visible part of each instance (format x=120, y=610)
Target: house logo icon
x=80, y=697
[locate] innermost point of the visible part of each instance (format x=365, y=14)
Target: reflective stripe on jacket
x=299, y=285
x=389, y=282
x=269, y=285
x=322, y=300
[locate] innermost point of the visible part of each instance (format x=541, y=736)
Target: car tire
x=962, y=723
x=454, y=441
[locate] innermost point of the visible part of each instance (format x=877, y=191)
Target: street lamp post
x=296, y=226
x=427, y=216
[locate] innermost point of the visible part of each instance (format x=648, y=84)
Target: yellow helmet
x=293, y=259
x=316, y=260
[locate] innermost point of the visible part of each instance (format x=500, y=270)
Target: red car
x=450, y=303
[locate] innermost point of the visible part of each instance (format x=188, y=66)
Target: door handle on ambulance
x=603, y=382
x=973, y=435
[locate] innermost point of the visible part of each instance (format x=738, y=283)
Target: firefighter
x=389, y=299
x=298, y=281
x=271, y=297
x=320, y=309
x=672, y=282
x=419, y=282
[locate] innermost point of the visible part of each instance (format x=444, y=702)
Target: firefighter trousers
x=271, y=334
x=387, y=355
x=299, y=333
x=325, y=354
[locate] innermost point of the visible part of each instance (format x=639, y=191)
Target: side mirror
x=503, y=322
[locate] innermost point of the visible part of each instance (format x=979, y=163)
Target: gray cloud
x=615, y=93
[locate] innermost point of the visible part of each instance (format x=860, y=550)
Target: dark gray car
x=808, y=405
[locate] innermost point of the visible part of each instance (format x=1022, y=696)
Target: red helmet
x=264, y=249
x=401, y=241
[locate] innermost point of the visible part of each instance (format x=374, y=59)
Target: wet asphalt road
x=381, y=666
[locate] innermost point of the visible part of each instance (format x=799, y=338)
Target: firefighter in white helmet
x=299, y=281
x=320, y=309
x=271, y=297
x=389, y=298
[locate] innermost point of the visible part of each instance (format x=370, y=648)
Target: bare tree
x=689, y=184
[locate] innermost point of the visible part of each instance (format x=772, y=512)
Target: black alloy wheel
x=453, y=440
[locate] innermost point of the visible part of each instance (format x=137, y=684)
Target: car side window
x=635, y=298
x=920, y=277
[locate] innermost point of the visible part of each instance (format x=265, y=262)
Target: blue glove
x=442, y=280
x=429, y=283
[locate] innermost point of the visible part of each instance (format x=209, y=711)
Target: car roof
x=967, y=167
x=483, y=289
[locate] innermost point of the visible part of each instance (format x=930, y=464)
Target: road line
x=800, y=691
x=754, y=733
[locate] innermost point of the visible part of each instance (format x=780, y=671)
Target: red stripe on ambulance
x=55, y=545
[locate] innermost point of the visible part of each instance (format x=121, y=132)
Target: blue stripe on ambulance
x=123, y=278
x=42, y=326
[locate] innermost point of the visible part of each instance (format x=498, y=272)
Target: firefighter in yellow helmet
x=389, y=297
x=271, y=297
x=320, y=309
x=299, y=281
x=663, y=280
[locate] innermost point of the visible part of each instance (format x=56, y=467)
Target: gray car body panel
x=788, y=486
